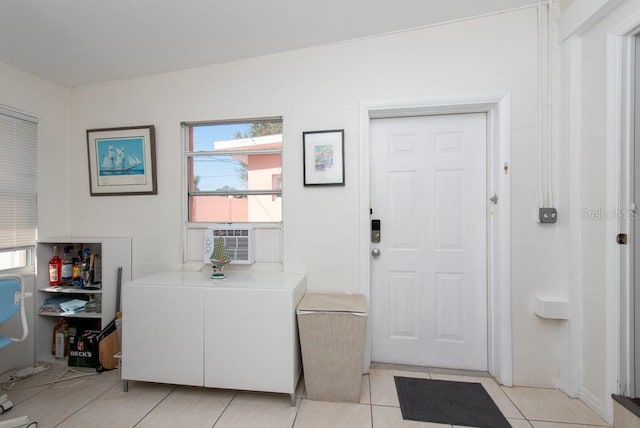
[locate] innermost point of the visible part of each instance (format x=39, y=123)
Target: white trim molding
x=618, y=328
x=497, y=106
x=593, y=402
x=570, y=339
x=581, y=15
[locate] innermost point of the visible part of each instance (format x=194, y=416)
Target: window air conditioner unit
x=237, y=240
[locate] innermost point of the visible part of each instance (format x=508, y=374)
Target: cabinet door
x=250, y=340
x=162, y=330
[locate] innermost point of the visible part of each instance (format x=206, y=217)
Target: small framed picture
x=122, y=161
x=323, y=156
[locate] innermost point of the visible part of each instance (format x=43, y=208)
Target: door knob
x=375, y=253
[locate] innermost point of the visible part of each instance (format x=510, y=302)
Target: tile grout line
x=568, y=423
x=302, y=394
x=514, y=404
x=370, y=398
x=82, y=407
x=298, y=407
x=529, y=421
x=155, y=406
x=233, y=397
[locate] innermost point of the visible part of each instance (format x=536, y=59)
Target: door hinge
x=494, y=198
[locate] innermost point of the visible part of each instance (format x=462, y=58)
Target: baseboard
x=594, y=403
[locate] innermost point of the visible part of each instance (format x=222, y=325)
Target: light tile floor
x=99, y=401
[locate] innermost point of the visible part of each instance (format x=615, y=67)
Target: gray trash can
x=332, y=335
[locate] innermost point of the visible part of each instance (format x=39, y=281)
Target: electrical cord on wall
x=549, y=104
x=545, y=116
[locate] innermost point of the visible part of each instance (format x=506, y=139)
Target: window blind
x=18, y=179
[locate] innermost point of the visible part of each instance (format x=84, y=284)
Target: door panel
x=429, y=285
x=402, y=303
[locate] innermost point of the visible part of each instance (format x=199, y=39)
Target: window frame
x=188, y=157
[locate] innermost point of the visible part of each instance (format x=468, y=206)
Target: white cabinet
x=112, y=253
x=162, y=331
x=237, y=333
x=251, y=339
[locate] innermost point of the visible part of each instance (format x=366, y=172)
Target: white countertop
x=234, y=279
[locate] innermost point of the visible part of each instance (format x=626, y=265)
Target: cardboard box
x=84, y=349
x=108, y=345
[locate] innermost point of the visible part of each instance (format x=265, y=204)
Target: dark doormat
x=446, y=402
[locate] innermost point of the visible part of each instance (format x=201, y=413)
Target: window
x=231, y=170
x=18, y=188
x=15, y=259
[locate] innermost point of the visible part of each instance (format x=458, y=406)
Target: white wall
x=48, y=102
x=315, y=89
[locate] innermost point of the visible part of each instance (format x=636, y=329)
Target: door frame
x=497, y=106
x=619, y=310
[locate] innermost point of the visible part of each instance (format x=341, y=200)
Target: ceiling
x=79, y=42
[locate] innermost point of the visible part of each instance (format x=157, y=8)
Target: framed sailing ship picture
x=122, y=161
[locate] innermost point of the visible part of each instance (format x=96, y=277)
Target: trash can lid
x=333, y=303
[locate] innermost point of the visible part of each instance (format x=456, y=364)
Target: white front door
x=429, y=282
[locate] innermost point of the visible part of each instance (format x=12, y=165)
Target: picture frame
x=122, y=161
x=323, y=157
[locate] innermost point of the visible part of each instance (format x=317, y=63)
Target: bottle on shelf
x=67, y=265
x=75, y=272
x=55, y=268
x=86, y=267
x=60, y=348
